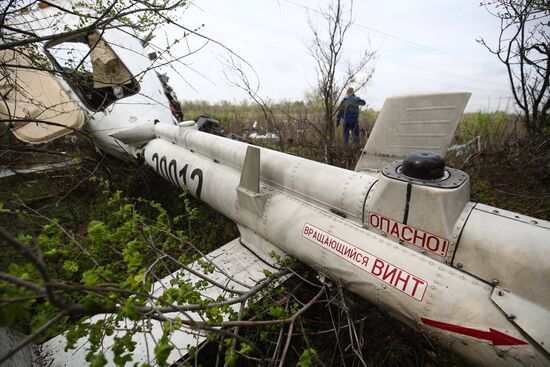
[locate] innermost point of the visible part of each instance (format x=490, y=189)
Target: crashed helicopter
x=399, y=230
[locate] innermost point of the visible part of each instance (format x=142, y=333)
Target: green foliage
x=246, y=349
x=307, y=357
x=163, y=347
x=2, y=209
x=96, y=360
x=118, y=250
x=276, y=312
x=70, y=267
x=231, y=356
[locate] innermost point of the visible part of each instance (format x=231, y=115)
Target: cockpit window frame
x=133, y=88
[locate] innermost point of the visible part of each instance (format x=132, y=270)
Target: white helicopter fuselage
x=472, y=277
x=325, y=216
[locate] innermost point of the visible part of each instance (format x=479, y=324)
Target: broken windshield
x=93, y=70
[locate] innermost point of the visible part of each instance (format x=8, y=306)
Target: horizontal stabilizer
x=406, y=124
x=236, y=267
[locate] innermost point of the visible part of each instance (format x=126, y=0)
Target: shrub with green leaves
x=67, y=276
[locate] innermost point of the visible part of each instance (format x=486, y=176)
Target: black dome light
x=423, y=166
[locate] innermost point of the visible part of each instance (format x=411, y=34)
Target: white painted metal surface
x=510, y=250
x=420, y=217
x=532, y=318
x=148, y=105
x=423, y=122
x=240, y=263
x=9, y=338
x=6, y=172
x=334, y=188
x=444, y=302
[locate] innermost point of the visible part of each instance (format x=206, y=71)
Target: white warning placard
x=396, y=277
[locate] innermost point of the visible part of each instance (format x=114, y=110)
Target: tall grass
x=494, y=129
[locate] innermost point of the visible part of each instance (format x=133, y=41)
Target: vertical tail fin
x=411, y=123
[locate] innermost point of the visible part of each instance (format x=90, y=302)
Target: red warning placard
x=414, y=236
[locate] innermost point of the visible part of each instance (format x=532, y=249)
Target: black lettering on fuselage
x=155, y=158
x=170, y=172
x=183, y=173
x=197, y=172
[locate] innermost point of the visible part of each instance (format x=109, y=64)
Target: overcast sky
x=422, y=46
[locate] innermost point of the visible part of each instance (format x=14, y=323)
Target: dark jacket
x=349, y=109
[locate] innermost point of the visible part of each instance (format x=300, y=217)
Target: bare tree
x=524, y=48
x=236, y=75
x=327, y=49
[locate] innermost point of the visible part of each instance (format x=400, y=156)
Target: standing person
x=349, y=111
